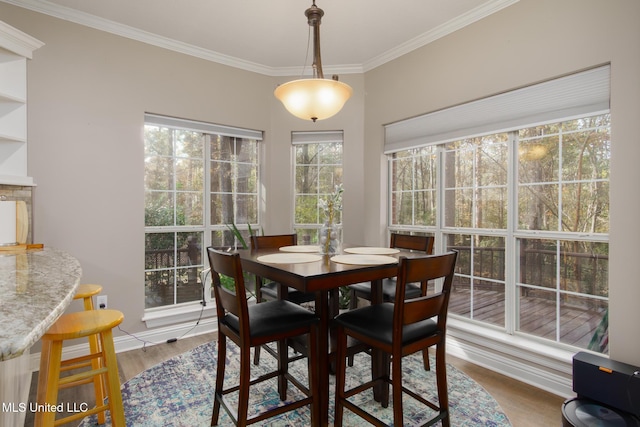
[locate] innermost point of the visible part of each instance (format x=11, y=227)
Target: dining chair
x=252, y=326
x=363, y=290
x=398, y=241
x=270, y=290
x=397, y=330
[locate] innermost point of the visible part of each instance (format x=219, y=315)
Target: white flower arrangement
x=330, y=232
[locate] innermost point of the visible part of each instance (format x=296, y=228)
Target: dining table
x=306, y=269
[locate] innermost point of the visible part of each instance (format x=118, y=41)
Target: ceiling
x=271, y=36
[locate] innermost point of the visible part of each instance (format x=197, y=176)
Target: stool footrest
x=77, y=361
x=80, y=415
x=74, y=379
x=71, y=367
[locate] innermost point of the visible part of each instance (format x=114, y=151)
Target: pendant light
x=316, y=98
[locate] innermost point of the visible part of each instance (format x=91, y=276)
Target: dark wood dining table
x=324, y=277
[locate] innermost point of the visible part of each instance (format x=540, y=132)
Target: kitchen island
x=36, y=287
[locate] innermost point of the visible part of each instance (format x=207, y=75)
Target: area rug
x=179, y=392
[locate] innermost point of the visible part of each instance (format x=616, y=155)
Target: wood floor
x=526, y=406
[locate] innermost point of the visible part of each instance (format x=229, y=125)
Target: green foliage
x=344, y=298
x=238, y=234
x=232, y=227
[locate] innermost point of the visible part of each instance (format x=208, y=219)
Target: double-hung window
x=518, y=184
x=317, y=170
x=201, y=184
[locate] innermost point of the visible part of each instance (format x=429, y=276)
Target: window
x=527, y=207
x=560, y=182
x=317, y=170
x=200, y=181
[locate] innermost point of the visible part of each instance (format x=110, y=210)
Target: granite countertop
x=36, y=287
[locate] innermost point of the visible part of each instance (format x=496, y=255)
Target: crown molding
x=447, y=28
x=18, y=42
x=82, y=18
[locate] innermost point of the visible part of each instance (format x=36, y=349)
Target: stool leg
x=113, y=380
x=88, y=303
x=99, y=383
x=48, y=377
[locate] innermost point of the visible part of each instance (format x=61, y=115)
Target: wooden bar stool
x=71, y=326
x=86, y=292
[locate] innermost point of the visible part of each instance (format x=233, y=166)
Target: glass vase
x=330, y=239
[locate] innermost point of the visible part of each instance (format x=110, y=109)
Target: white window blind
x=203, y=127
x=575, y=95
x=321, y=137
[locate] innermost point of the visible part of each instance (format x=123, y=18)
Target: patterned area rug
x=179, y=392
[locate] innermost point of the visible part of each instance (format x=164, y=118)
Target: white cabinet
x=16, y=48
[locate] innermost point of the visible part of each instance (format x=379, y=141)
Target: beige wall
x=88, y=92
x=531, y=41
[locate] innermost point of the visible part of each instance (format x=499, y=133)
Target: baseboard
x=138, y=340
x=547, y=370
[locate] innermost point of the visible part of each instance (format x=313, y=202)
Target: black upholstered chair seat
x=376, y=321
x=270, y=291
x=273, y=317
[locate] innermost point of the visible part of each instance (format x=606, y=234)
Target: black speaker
x=612, y=383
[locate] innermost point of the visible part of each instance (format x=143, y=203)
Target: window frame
x=205, y=229
x=307, y=232
x=512, y=234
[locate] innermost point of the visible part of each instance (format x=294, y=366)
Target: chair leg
x=425, y=359
x=313, y=368
x=353, y=304
x=256, y=350
x=341, y=354
x=385, y=367
x=256, y=355
x=222, y=363
x=397, y=389
x=441, y=380
x=245, y=379
x=283, y=368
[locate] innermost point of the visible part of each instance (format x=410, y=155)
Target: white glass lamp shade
x=313, y=99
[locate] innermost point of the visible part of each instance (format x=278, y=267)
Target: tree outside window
x=196, y=184
x=317, y=170
x=543, y=191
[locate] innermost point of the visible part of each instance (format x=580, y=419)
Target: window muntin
x=413, y=187
x=570, y=278
x=475, y=180
x=317, y=172
x=178, y=198
x=479, y=289
x=558, y=183
x=563, y=172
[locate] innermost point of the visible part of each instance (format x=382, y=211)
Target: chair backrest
x=274, y=241
x=415, y=243
x=421, y=269
x=227, y=301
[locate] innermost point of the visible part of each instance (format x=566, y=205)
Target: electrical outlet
x=102, y=301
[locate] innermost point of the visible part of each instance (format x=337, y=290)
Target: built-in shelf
x=16, y=48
